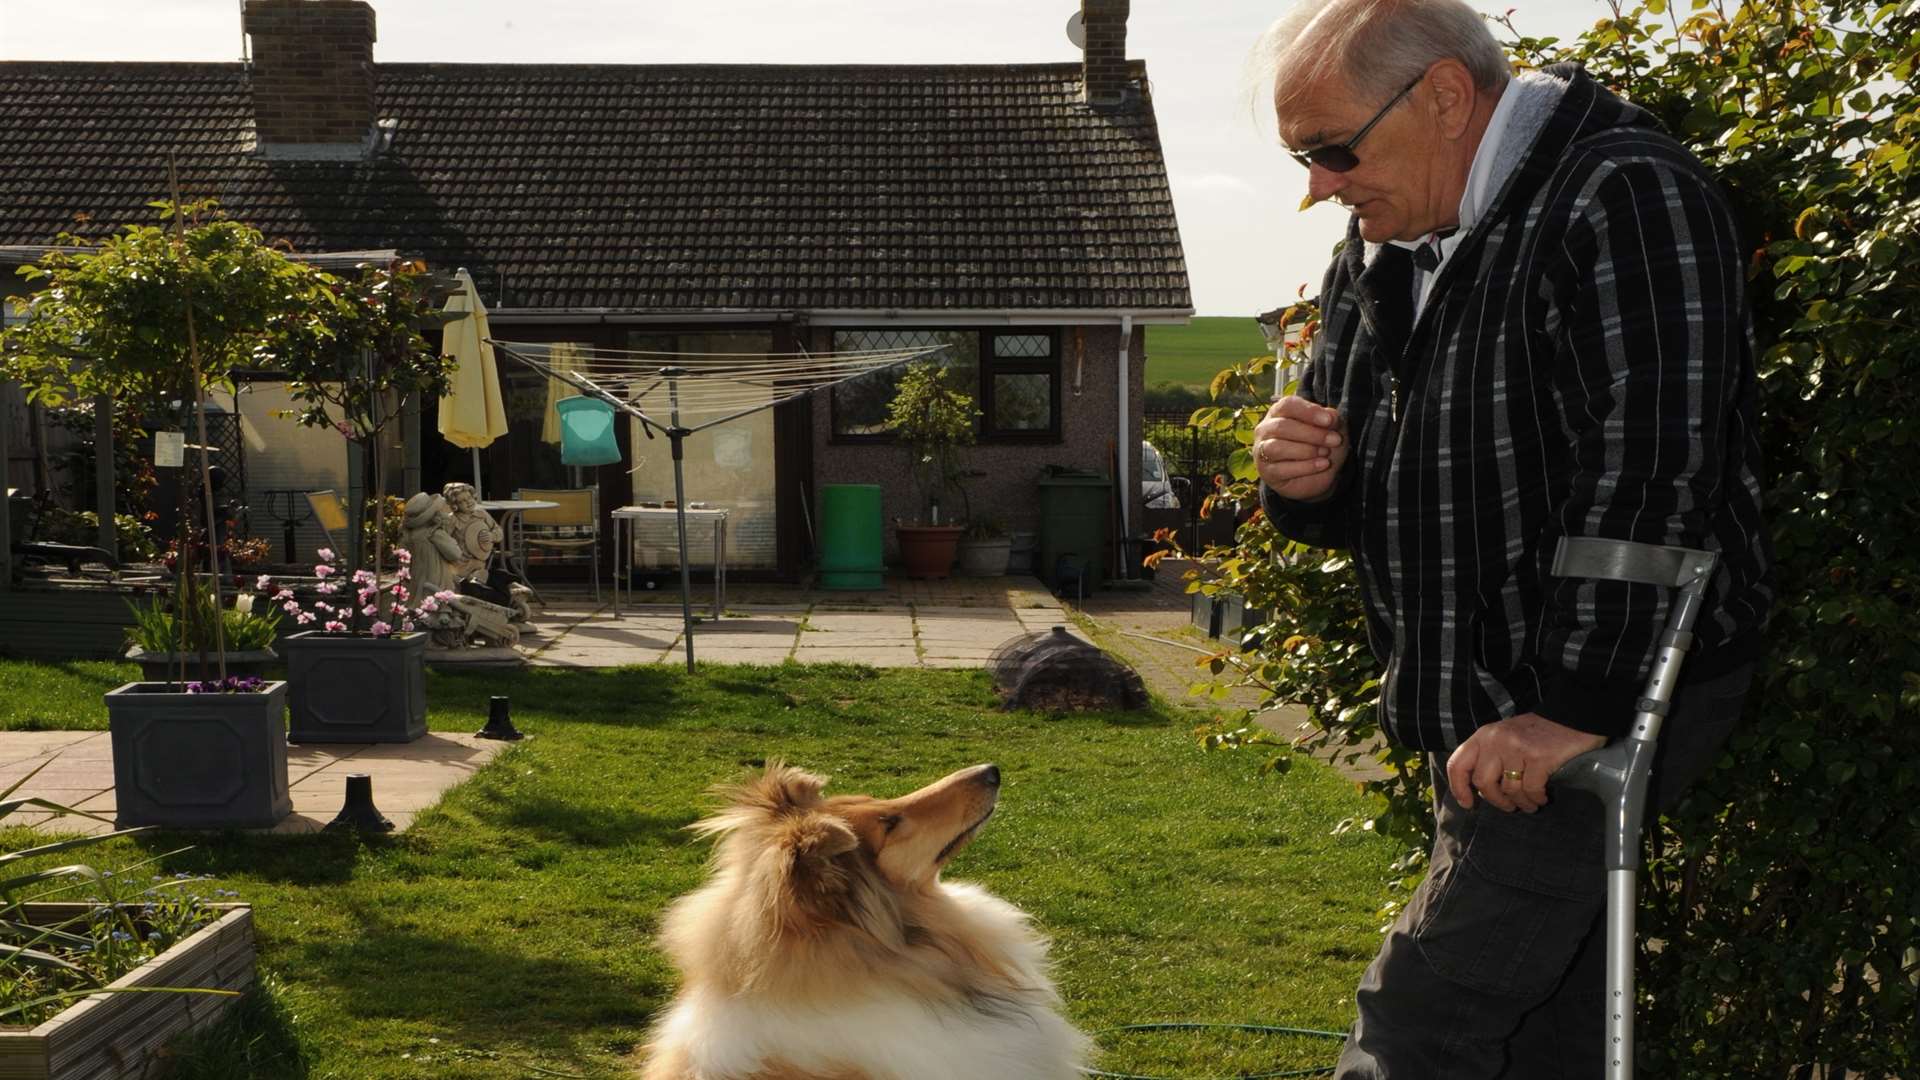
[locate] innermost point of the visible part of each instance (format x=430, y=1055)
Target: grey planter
x=163, y=666
x=356, y=689
x=199, y=761
x=985, y=558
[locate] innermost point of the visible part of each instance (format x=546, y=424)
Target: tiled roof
x=648, y=188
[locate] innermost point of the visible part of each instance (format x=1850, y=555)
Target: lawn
x=507, y=934
x=1195, y=353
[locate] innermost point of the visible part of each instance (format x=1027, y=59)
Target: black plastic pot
x=199, y=761
x=356, y=689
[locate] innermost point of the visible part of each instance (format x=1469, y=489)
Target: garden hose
x=1263, y=1029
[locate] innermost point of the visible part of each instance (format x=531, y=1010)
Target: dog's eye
x=890, y=821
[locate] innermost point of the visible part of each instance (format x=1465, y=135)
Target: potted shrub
x=985, y=549
x=157, y=636
x=147, y=317
x=933, y=420
x=97, y=988
x=361, y=676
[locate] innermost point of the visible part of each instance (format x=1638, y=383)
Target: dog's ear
x=779, y=792
x=782, y=789
x=817, y=838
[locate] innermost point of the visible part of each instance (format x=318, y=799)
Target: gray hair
x=1376, y=46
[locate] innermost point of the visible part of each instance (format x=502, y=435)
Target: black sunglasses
x=1340, y=157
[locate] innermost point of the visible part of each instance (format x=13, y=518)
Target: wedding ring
x=1514, y=775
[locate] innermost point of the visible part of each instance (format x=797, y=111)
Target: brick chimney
x=313, y=78
x=1105, y=25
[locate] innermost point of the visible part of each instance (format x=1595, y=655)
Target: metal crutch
x=1617, y=773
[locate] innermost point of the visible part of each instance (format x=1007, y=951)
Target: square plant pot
x=126, y=1034
x=356, y=689
x=199, y=761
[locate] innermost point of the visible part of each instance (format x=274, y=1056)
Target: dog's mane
x=796, y=907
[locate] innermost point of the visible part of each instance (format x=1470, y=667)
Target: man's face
x=1394, y=190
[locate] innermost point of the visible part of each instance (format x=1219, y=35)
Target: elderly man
x=1535, y=329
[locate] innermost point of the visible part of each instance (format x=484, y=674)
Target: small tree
x=353, y=364
x=933, y=419
x=152, y=315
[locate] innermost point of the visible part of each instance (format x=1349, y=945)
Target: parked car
x=1161, y=491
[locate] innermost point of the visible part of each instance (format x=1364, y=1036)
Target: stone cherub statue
x=478, y=536
x=472, y=528
x=440, y=562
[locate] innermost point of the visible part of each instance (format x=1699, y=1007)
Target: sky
x=1248, y=247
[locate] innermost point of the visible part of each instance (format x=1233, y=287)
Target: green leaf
x=1798, y=755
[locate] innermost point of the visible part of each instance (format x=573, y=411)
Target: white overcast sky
x=1248, y=248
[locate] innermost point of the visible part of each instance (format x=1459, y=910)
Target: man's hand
x=1530, y=745
x=1299, y=448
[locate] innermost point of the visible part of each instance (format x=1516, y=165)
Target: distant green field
x=1193, y=354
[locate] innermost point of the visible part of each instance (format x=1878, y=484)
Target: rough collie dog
x=826, y=947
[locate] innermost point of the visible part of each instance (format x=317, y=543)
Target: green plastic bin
x=1074, y=509
x=850, y=537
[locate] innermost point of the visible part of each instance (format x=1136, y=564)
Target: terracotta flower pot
x=927, y=551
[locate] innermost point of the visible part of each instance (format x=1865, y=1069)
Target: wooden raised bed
x=107, y=1036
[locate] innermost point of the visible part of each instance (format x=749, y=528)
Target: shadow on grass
x=543, y=817
x=639, y=696
x=256, y=1040
x=473, y=989
x=312, y=859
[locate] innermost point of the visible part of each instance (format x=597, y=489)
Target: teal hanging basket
x=586, y=432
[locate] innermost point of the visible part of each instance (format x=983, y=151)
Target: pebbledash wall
x=1089, y=407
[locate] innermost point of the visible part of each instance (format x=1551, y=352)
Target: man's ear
x=1451, y=90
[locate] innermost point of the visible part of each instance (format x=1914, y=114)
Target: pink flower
x=329, y=588
x=403, y=573
x=290, y=607
x=283, y=594
x=322, y=605
x=444, y=595
x=335, y=626
x=363, y=577
x=428, y=606
x=403, y=555
x=303, y=618
x=380, y=629
x=323, y=571
x=326, y=554
x=406, y=624
x=370, y=610
x=264, y=583
x=400, y=594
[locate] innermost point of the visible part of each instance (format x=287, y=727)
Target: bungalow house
x=1019, y=214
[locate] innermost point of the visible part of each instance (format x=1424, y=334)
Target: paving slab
x=407, y=778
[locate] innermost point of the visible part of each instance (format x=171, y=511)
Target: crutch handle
x=1617, y=775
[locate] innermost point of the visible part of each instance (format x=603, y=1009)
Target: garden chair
x=330, y=512
x=568, y=532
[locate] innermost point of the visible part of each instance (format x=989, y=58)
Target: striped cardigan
x=1582, y=367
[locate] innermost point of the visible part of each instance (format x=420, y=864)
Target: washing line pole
x=677, y=435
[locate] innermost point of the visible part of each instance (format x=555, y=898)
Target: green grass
x=507, y=934
x=1195, y=353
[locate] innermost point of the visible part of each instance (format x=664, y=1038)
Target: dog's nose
x=990, y=775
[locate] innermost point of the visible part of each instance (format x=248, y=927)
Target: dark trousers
x=1497, y=966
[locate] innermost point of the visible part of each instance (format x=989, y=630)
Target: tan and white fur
x=824, y=946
